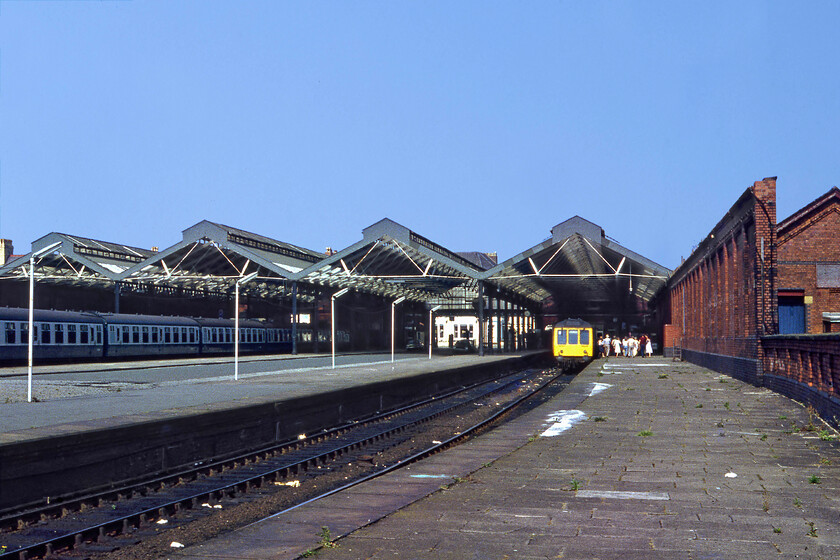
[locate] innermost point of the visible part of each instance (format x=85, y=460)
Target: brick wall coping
x=802, y=337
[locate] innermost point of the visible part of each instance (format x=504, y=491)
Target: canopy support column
x=294, y=317
x=480, y=318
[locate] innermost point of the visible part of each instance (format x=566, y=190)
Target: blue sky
x=479, y=125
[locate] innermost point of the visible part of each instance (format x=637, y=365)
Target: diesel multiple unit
x=572, y=342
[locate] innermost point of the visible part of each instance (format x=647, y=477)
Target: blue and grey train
x=82, y=335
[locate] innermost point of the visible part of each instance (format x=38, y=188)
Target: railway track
x=299, y=471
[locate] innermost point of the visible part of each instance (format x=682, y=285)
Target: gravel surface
x=14, y=389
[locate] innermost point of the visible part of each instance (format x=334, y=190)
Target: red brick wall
x=722, y=298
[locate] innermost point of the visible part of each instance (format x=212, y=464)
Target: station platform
x=636, y=459
x=79, y=398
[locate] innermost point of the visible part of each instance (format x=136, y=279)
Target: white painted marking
x=634, y=365
x=561, y=421
x=431, y=476
x=731, y=475
x=618, y=495
x=598, y=388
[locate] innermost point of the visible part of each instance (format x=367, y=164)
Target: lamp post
x=239, y=282
x=335, y=296
x=32, y=257
x=396, y=302
x=431, y=327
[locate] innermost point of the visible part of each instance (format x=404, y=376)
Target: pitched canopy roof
x=577, y=263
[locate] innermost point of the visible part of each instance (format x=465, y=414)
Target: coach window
x=176, y=335
x=98, y=330
x=46, y=337
x=145, y=331
x=83, y=334
x=155, y=335
x=59, y=334
x=126, y=334
x=71, y=334
x=11, y=333
x=167, y=335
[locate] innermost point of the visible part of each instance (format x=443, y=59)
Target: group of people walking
x=629, y=346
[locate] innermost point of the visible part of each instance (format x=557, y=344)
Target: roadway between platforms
x=636, y=459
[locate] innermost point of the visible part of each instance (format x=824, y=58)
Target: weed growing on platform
x=663, y=376
x=812, y=532
x=777, y=530
x=326, y=538
x=825, y=435
x=645, y=433
x=726, y=405
x=814, y=479
x=699, y=405
x=575, y=484
x=797, y=502
x=763, y=437
x=825, y=461
x=600, y=419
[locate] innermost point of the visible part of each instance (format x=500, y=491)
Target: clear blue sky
x=477, y=124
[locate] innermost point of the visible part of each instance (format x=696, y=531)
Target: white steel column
x=32, y=258
x=31, y=327
x=335, y=296
x=394, y=323
x=431, y=327
x=236, y=325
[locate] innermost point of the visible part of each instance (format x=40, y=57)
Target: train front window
x=561, y=336
x=584, y=337
x=573, y=337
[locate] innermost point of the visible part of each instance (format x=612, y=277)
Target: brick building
x=809, y=267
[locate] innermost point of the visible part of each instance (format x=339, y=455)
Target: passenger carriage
x=57, y=334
